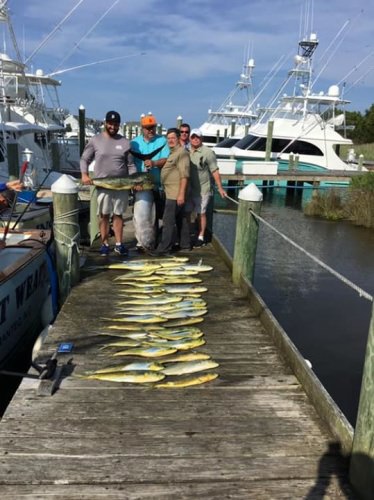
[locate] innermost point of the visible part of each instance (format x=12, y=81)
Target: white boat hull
x=24, y=291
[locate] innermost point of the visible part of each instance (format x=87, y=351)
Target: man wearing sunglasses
x=150, y=151
x=185, y=136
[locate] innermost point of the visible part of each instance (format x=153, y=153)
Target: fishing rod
x=30, y=201
x=14, y=202
x=96, y=62
x=76, y=45
x=53, y=32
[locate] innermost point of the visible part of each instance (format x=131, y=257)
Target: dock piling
x=362, y=459
x=82, y=128
x=66, y=232
x=250, y=198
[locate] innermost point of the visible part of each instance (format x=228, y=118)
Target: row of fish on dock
x=159, y=303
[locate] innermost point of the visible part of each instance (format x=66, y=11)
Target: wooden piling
x=246, y=234
x=66, y=232
x=269, y=140
x=233, y=125
x=179, y=121
x=94, y=221
x=362, y=459
x=82, y=128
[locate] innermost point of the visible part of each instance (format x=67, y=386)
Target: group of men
x=183, y=171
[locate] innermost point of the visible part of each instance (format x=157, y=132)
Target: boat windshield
x=229, y=142
x=253, y=143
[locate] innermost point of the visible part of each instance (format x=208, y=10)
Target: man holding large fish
x=150, y=151
x=111, y=153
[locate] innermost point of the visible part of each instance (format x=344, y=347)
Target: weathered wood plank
x=251, y=433
x=324, y=487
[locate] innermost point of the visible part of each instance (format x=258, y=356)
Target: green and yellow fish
x=126, y=182
x=187, y=382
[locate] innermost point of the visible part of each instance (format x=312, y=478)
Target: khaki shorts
x=198, y=204
x=111, y=202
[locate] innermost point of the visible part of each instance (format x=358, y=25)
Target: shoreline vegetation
x=355, y=204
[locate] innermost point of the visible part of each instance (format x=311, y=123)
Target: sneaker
x=121, y=249
x=104, y=249
x=199, y=243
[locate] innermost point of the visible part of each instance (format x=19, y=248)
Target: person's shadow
x=332, y=463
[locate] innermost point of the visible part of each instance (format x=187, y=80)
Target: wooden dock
x=250, y=434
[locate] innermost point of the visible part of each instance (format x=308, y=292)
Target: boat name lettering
x=31, y=284
x=3, y=304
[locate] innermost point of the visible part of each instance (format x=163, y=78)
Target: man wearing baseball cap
x=111, y=153
x=150, y=152
x=203, y=171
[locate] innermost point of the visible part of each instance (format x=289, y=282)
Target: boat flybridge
x=31, y=116
x=302, y=125
x=235, y=114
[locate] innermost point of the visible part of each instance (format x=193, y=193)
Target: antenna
x=94, y=63
x=76, y=45
x=53, y=32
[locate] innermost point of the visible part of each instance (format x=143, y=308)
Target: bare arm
x=217, y=180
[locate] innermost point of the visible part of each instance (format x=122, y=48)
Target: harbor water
x=327, y=320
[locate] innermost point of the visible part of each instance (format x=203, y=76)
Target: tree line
x=362, y=131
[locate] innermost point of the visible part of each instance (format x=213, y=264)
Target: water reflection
x=327, y=320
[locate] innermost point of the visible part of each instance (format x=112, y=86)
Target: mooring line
x=342, y=278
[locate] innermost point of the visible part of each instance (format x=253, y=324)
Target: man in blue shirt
x=150, y=152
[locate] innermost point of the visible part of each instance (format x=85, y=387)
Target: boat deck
x=251, y=433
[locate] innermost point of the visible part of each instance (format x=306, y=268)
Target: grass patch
x=356, y=205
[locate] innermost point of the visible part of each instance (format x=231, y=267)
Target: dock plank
x=251, y=433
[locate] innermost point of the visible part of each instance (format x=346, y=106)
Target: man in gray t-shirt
x=111, y=153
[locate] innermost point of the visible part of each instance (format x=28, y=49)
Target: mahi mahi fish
x=182, y=344
x=182, y=367
x=186, y=382
x=126, y=182
x=151, y=351
x=133, y=377
x=186, y=356
x=152, y=366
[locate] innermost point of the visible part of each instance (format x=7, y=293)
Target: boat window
x=210, y=138
x=251, y=142
x=229, y=142
x=296, y=147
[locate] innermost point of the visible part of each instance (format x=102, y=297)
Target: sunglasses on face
x=185, y=132
x=150, y=128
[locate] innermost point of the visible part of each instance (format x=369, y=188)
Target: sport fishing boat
x=235, y=114
x=304, y=124
x=27, y=290
x=31, y=116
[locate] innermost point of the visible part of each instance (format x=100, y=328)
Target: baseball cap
x=148, y=121
x=196, y=131
x=113, y=116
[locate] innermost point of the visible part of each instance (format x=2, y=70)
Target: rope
x=342, y=278
x=71, y=243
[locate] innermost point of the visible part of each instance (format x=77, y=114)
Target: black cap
x=113, y=116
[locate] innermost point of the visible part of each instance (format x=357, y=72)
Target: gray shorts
x=197, y=204
x=111, y=202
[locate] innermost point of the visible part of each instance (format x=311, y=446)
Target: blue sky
x=194, y=50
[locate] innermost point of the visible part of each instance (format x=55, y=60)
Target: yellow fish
x=186, y=356
x=133, y=377
x=181, y=345
x=151, y=351
x=147, y=318
x=184, y=367
x=184, y=321
x=187, y=382
x=152, y=366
